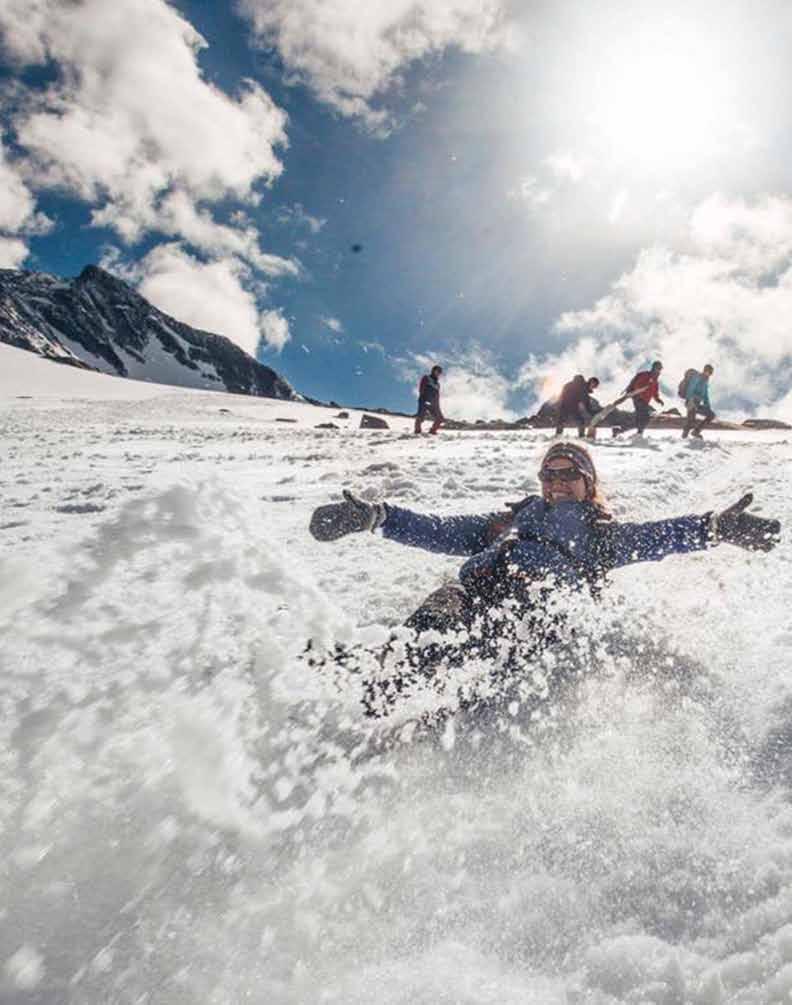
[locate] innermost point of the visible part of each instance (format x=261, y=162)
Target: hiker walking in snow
x=572, y=404
x=643, y=388
x=429, y=400
x=519, y=559
x=694, y=388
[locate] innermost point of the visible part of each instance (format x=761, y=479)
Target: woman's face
x=563, y=490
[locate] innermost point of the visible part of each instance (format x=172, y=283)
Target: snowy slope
x=184, y=819
x=100, y=322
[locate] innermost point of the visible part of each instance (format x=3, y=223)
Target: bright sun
x=659, y=99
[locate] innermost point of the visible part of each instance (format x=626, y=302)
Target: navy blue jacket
x=568, y=540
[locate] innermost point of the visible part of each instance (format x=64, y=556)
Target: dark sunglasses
x=560, y=474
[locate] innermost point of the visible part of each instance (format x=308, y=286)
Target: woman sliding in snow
x=503, y=610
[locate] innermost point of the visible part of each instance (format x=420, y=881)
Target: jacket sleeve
x=625, y=543
x=450, y=535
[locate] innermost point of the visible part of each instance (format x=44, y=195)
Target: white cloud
x=178, y=216
x=208, y=295
x=606, y=360
x=727, y=301
x=298, y=216
x=332, y=323
x=351, y=53
x=17, y=203
x=471, y=386
x=22, y=25
x=13, y=252
x=18, y=216
x=759, y=235
x=374, y=347
x=130, y=118
x=274, y=329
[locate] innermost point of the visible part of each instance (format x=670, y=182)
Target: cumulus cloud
x=726, y=300
x=129, y=118
x=274, y=329
x=13, y=252
x=178, y=216
x=18, y=216
x=214, y=296
x=472, y=386
x=351, y=53
x=545, y=376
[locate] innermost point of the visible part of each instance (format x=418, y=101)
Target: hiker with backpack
x=643, y=389
x=694, y=388
x=429, y=400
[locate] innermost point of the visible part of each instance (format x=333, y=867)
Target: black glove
x=335, y=520
x=735, y=526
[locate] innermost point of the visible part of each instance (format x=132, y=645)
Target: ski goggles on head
x=570, y=474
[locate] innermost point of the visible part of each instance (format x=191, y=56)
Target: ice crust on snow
x=189, y=814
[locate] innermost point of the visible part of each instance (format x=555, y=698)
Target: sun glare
x=660, y=99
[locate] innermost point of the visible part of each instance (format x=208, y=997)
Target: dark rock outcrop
x=765, y=424
x=373, y=422
x=98, y=322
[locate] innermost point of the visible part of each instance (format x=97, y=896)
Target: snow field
x=189, y=814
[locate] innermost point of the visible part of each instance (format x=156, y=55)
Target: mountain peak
x=94, y=274
x=123, y=334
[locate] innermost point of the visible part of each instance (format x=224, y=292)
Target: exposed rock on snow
x=98, y=322
x=765, y=424
x=373, y=422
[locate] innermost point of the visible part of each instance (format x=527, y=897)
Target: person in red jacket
x=644, y=388
x=429, y=400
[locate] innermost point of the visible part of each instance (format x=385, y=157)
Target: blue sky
x=355, y=191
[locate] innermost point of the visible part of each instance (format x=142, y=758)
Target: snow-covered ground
x=182, y=817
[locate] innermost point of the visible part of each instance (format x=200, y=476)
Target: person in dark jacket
x=519, y=557
x=429, y=400
x=572, y=404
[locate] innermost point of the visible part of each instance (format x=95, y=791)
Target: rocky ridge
x=98, y=322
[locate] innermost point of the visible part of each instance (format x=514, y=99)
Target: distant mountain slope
x=98, y=322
